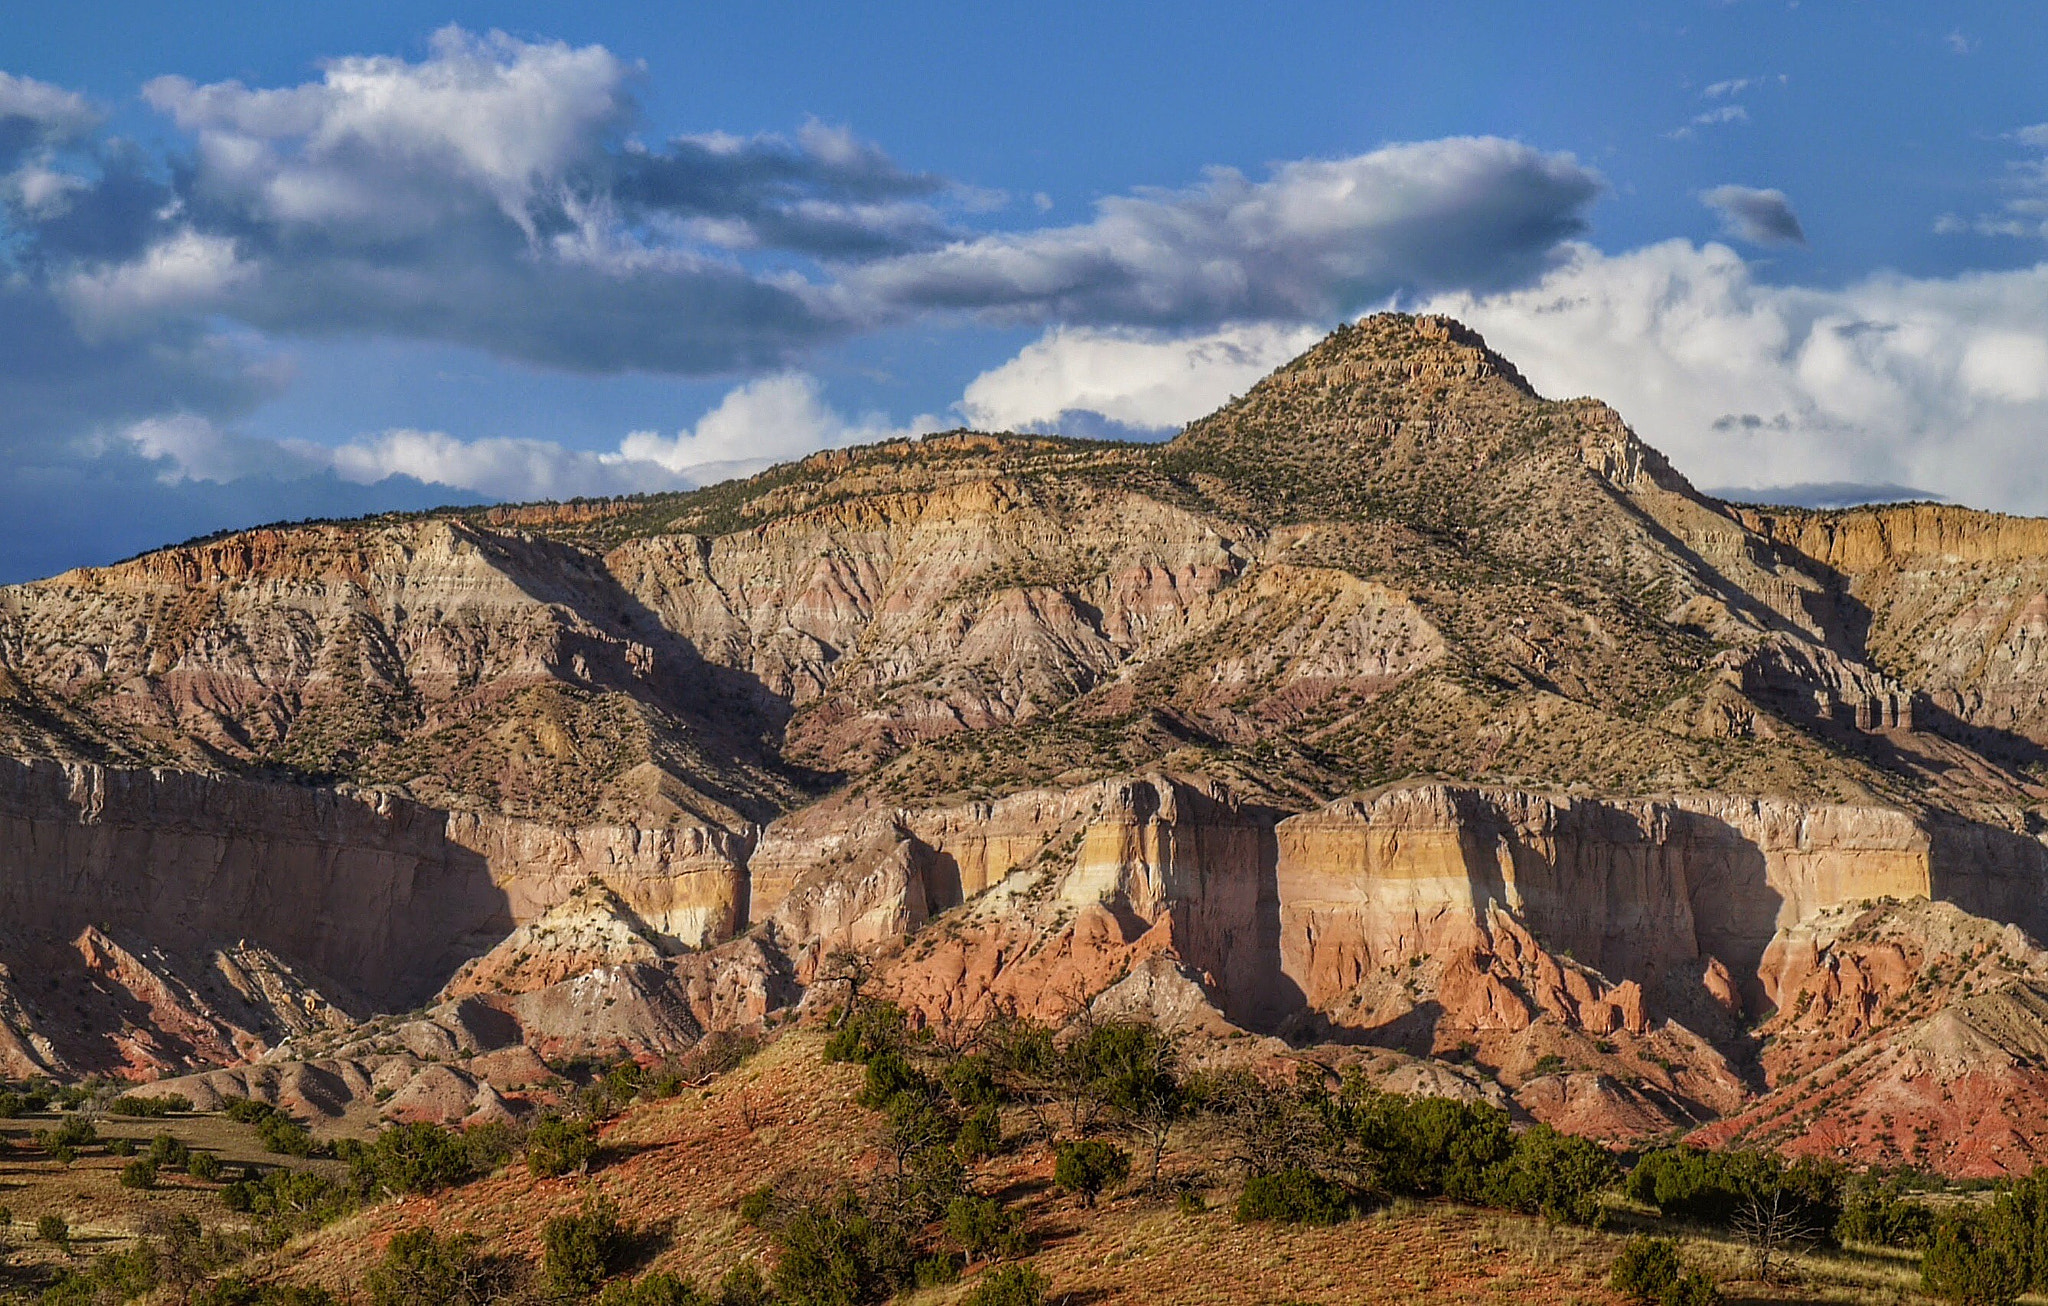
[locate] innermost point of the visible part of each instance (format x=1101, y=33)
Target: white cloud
x=42, y=192
x=186, y=272
x=1320, y=237
x=1137, y=379
x=1727, y=113
x=765, y=421
x=2025, y=211
x=190, y=447
x=1935, y=383
x=496, y=467
x=395, y=145
x=58, y=114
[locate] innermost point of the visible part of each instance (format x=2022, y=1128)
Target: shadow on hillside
x=736, y=721
x=1258, y=993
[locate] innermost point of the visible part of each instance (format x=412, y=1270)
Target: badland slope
x=1391, y=706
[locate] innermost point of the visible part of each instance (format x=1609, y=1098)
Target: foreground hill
x=1392, y=704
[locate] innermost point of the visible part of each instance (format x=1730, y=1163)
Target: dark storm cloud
x=1317, y=238
x=1761, y=217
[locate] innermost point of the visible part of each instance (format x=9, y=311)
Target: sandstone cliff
x=1391, y=706
x=345, y=894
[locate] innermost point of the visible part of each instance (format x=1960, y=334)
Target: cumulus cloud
x=496, y=468
x=1316, y=238
x=1141, y=380
x=36, y=113
x=1934, y=383
x=1761, y=217
x=764, y=421
x=184, y=272
x=493, y=195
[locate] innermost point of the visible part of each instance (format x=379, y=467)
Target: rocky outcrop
x=259, y=901
x=1657, y=893
x=1952, y=601
x=1906, y=1033
x=589, y=929
x=1048, y=725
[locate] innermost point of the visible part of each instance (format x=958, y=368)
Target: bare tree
x=847, y=969
x=1772, y=1222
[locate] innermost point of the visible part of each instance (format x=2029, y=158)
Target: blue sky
x=267, y=264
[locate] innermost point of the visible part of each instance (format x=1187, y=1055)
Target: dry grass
x=88, y=1192
x=680, y=1166
x=785, y=1119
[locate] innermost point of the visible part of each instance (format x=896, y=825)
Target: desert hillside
x=1391, y=706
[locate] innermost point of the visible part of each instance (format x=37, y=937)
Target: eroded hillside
x=1391, y=704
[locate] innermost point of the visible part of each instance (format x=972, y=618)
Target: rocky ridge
x=1391, y=707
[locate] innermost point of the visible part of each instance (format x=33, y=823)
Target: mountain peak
x=1423, y=351
x=1406, y=418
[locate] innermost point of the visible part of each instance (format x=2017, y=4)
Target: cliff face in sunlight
x=1392, y=703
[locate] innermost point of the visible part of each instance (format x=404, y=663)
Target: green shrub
x=2018, y=1228
x=1293, y=1196
x=1008, y=1285
x=758, y=1205
x=421, y=1269
x=890, y=1075
x=744, y=1286
x=419, y=1158
x=556, y=1146
x=288, y=1202
x=1969, y=1261
x=838, y=1254
x=131, y=1104
x=1885, y=1220
x=233, y=1290
x=112, y=1277
x=168, y=1152
x=868, y=1030
x=1089, y=1167
x=981, y=1135
x=1692, y=1289
x=139, y=1173
x=984, y=1230
x=972, y=1082
x=248, y=1110
x=581, y=1251
x=121, y=1147
x=1645, y=1268
x=936, y=1271
x=54, y=1229
x=1715, y=1187
x=71, y=1133
x=1428, y=1146
x=204, y=1166
x=284, y=1136
x=657, y=1289
x=1555, y=1175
